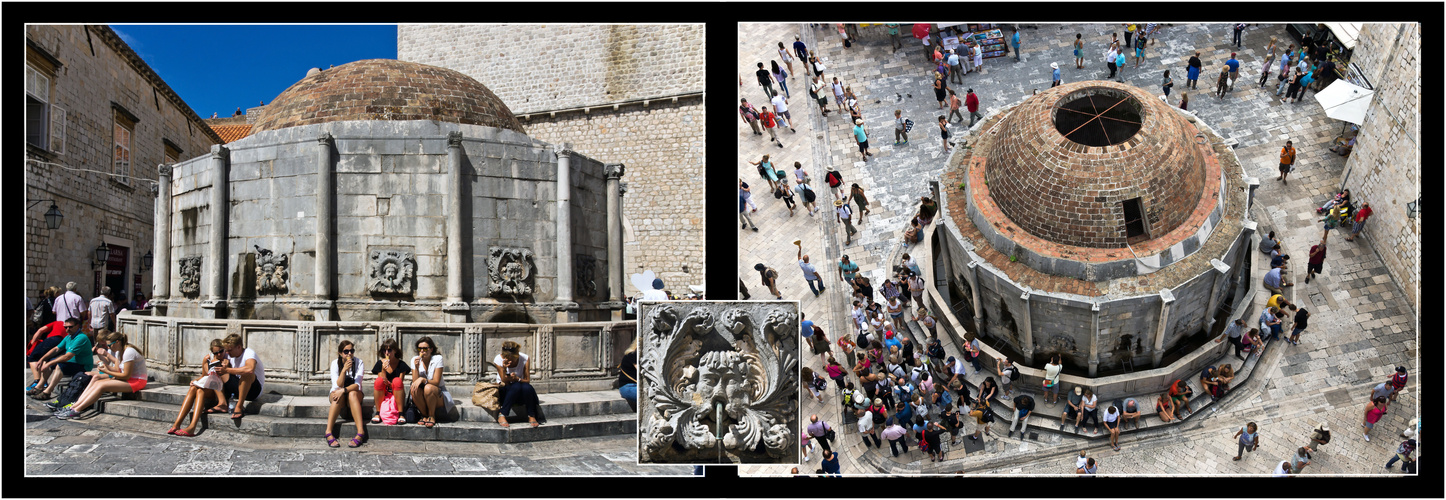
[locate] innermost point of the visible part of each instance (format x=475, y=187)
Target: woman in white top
x=117, y=371
x=513, y=370
x=196, y=393
x=346, y=380
x=429, y=393
x=787, y=58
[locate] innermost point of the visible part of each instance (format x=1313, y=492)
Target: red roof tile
x=231, y=133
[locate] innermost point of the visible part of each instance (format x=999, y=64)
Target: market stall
x=988, y=36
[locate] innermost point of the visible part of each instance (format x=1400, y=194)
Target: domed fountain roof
x=387, y=89
x=1095, y=164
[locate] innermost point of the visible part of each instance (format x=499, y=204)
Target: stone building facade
x=625, y=94
x=1385, y=167
x=94, y=104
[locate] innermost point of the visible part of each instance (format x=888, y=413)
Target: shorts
x=137, y=383
x=233, y=384
x=68, y=368
x=863, y=146
x=1111, y=424
x=1284, y=167
x=1314, y=267
x=1370, y=425
x=1070, y=412
x=43, y=347
x=896, y=315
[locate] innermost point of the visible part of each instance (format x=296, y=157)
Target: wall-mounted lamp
x=147, y=261
x=102, y=254
x=1413, y=208
x=53, y=217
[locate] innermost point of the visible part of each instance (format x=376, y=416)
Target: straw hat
x=1054, y=65
x=837, y=203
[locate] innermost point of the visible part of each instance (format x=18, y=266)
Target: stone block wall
x=1385, y=167
x=545, y=67
x=1136, y=317
x=97, y=70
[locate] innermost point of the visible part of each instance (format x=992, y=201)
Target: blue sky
x=218, y=68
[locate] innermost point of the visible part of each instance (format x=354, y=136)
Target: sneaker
x=1368, y=437
x=66, y=413
x=1011, y=433
x=31, y=387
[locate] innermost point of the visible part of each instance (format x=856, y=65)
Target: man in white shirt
x=247, y=373
x=69, y=304
x=102, y=310
x=810, y=274
x=780, y=108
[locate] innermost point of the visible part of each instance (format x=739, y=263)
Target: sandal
x=502, y=421
x=428, y=422
x=173, y=430
x=357, y=441
x=185, y=433
x=376, y=419
x=331, y=441
x=533, y=421
x=216, y=409
x=236, y=415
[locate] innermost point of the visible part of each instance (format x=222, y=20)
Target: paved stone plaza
x=1361, y=327
x=121, y=446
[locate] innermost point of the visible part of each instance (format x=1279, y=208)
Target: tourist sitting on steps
x=389, y=390
x=247, y=374
x=71, y=356
x=512, y=369
x=122, y=370
x=196, y=393
x=346, y=380
x=429, y=392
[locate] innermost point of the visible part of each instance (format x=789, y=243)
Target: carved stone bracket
x=584, y=271
x=454, y=139
x=509, y=272
x=392, y=272
x=305, y=339
x=163, y=169
x=191, y=275
x=272, y=272
x=613, y=170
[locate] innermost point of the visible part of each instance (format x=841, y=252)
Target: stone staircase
x=568, y=415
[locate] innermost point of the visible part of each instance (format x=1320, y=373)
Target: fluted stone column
x=214, y=305
x=1027, y=349
x=321, y=303
x=161, y=270
x=567, y=308
x=1094, y=337
x=614, y=173
x=455, y=309
x=1167, y=305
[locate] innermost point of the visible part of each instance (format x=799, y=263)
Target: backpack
x=908, y=125
x=848, y=398
x=762, y=171
x=879, y=417
x=1013, y=374
x=833, y=178
x=820, y=384
x=1406, y=447
x=74, y=389
x=1323, y=435
x=808, y=195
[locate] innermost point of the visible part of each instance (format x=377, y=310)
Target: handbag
x=484, y=395
x=388, y=410
x=410, y=413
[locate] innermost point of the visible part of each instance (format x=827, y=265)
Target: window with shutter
x=122, y=153
x=57, y=130
x=37, y=107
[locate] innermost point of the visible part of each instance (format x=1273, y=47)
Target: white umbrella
x=1345, y=101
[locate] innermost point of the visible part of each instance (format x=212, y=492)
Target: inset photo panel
x=718, y=382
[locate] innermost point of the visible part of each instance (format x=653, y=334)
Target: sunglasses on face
x=348, y=351
x=423, y=348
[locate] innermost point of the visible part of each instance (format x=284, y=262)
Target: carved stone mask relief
x=719, y=383
x=191, y=275
x=271, y=272
x=392, y=272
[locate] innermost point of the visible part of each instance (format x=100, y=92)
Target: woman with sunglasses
x=513, y=371
x=196, y=394
x=429, y=392
x=389, y=371
x=346, y=380
x=122, y=370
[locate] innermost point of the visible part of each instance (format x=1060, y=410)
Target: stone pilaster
x=567, y=309
x=455, y=309
x=973, y=266
x=161, y=270
x=1221, y=281
x=1167, y=305
x=1026, y=336
x=321, y=305
x=614, y=173
x=214, y=305
x=1094, y=337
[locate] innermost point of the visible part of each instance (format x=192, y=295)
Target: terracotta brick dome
x=387, y=89
x=1095, y=164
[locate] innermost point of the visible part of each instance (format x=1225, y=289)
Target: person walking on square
x=1234, y=332
x=750, y=116
x=1359, y=219
x=780, y=108
x=1319, y=435
x=1054, y=67
x=1129, y=33
x=1139, y=50
x=954, y=105
x=956, y=70
x=862, y=138
x=782, y=192
x=838, y=94
x=1110, y=61
x=1282, y=78
x=978, y=57
x=765, y=169
x=821, y=432
x=1287, y=160
x=834, y=181
x=1079, y=51
x=1239, y=28
x=1403, y=454
x=809, y=198
x=1120, y=64
x=843, y=214
x=971, y=101
x=1015, y=43
x=1270, y=50
x=899, y=129
x=765, y=80
x=1249, y=440
x=1112, y=423
x=1234, y=65
x=894, y=40
x=1397, y=382
x=1374, y=410
x=770, y=122
x=810, y=274
x=815, y=90
x=800, y=49
x=1292, y=91
x=1192, y=71
x=1166, y=83
x=1223, y=83
x=780, y=76
x=786, y=57
x=1317, y=259
x=743, y=202
x=944, y=133
x=769, y=277
x=856, y=195
x=939, y=91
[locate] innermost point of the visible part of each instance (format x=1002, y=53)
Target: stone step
x=559, y=405
x=160, y=416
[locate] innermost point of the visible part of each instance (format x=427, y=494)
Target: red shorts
x=137, y=383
